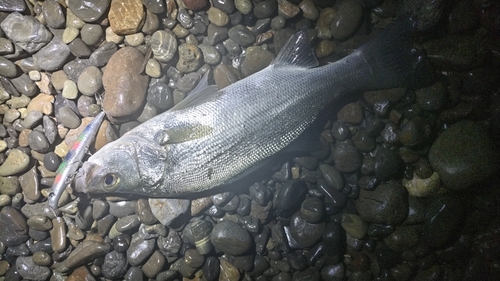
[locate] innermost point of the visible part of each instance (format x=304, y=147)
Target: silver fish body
x=212, y=138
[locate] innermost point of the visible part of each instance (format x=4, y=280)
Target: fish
x=68, y=168
x=215, y=137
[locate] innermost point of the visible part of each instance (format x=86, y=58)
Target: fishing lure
x=68, y=167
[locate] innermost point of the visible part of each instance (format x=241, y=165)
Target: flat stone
x=125, y=87
x=53, y=56
x=27, y=32
x=16, y=162
x=126, y=16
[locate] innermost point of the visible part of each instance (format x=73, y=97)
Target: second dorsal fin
x=296, y=52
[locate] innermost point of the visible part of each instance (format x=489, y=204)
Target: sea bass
x=213, y=136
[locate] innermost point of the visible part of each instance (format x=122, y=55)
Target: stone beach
x=404, y=186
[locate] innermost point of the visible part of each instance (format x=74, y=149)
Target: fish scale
x=213, y=138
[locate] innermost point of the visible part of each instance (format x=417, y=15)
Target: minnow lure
x=68, y=167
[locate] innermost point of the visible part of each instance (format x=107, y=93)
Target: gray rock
x=166, y=210
x=30, y=271
x=463, y=155
x=347, y=158
x=53, y=14
x=51, y=161
x=49, y=129
x=305, y=233
x=163, y=45
x=15, y=229
x=139, y=250
x=264, y=9
x=121, y=209
x=90, y=81
x=89, y=11
x=241, y=35
x=52, y=56
x=91, y=34
x=7, y=68
x=230, y=238
x=347, y=19
x=68, y=117
x=216, y=34
x=210, y=54
x=190, y=58
x=32, y=119
x=101, y=55
x=115, y=265
x=75, y=67
x=79, y=49
x=25, y=85
x=26, y=32
x=12, y=5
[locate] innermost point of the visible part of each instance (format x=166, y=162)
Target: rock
x=16, y=162
x=90, y=81
x=463, y=155
x=41, y=102
x=242, y=35
x=89, y=12
x=190, y=58
x=154, y=264
x=15, y=229
x=53, y=14
x=347, y=19
x=347, y=158
x=163, y=45
x=354, y=225
x=7, y=68
x=139, y=250
x=264, y=9
x=287, y=9
x=167, y=210
x=115, y=265
x=305, y=234
x=53, y=56
x=443, y=216
x=102, y=55
x=91, y=34
x=125, y=87
x=25, y=85
x=30, y=185
x=423, y=187
x=85, y=252
x=70, y=90
x=289, y=197
x=387, y=204
x=68, y=117
x=230, y=238
x=387, y=163
x=26, y=32
x=195, y=5
x=256, y=59
x=351, y=113
x=30, y=271
x=126, y=16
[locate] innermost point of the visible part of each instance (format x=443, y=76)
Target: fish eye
x=111, y=182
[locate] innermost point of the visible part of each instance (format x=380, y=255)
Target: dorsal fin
x=296, y=52
x=200, y=94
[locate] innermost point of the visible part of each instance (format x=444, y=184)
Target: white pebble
x=35, y=75
x=70, y=90
x=69, y=34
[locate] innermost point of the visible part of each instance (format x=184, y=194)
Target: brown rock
x=80, y=273
x=195, y=4
x=126, y=16
x=43, y=103
x=105, y=135
x=351, y=113
x=23, y=137
x=125, y=87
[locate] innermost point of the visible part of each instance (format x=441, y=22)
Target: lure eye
x=110, y=182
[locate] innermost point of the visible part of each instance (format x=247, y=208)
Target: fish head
x=126, y=166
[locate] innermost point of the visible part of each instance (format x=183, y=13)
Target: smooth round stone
x=243, y=6
x=156, y=6
x=11, y=115
x=305, y=234
x=68, y=118
x=432, y=98
x=144, y=213
x=86, y=12
x=264, y=9
x=113, y=37
x=463, y=155
x=125, y=86
x=226, y=6
x=211, y=268
x=256, y=59
x=139, y=250
x=443, y=215
x=347, y=158
x=17, y=161
x=216, y=34
x=7, y=68
x=351, y=113
x=210, y=54
x=30, y=271
x=103, y=54
x=91, y=34
x=40, y=222
x=58, y=78
x=288, y=9
x=42, y=258
x=217, y=17
x=289, y=197
x=69, y=34
x=32, y=119
x=387, y=204
x=312, y=210
x=121, y=242
x=159, y=95
x=70, y=90
x=347, y=19
x=354, y=225
x=9, y=185
x=90, y=81
x=190, y=58
x=52, y=56
x=15, y=229
x=230, y=238
x=30, y=184
x=6, y=46
x=387, y=163
x=195, y=5
x=51, y=161
x=53, y=14
x=135, y=39
x=242, y=35
x=153, y=68
x=154, y=265
x=18, y=102
x=25, y=85
x=5, y=200
x=115, y=265
x=309, y=10
x=26, y=32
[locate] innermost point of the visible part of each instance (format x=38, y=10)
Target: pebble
x=153, y=69
x=418, y=187
x=242, y=35
x=25, y=85
x=15, y=229
x=85, y=252
x=135, y=39
x=52, y=56
x=304, y=233
x=27, y=32
x=166, y=210
x=195, y=5
x=164, y=45
x=463, y=155
x=346, y=20
x=217, y=17
x=443, y=215
x=41, y=102
x=11, y=115
x=289, y=196
x=126, y=16
x=102, y=55
x=190, y=58
x=30, y=184
x=90, y=81
x=40, y=222
x=115, y=265
x=210, y=54
x=256, y=59
x=112, y=37
x=68, y=117
x=387, y=163
x=91, y=34
x=228, y=271
x=70, y=90
x=287, y=9
x=312, y=210
x=139, y=250
x=124, y=97
x=42, y=258
x=88, y=13
x=17, y=161
x=264, y=9
x=121, y=242
x=70, y=34
x=351, y=113
x=230, y=238
x=144, y=212
x=387, y=204
x=154, y=264
x=121, y=209
x=309, y=10
x=29, y=270
x=354, y=225
x=347, y=158
x=7, y=68
x=53, y=14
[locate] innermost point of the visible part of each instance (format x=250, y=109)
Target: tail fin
x=393, y=60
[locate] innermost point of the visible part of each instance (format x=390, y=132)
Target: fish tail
x=394, y=62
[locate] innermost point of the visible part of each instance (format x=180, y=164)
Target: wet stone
x=351, y=113
x=29, y=270
x=102, y=55
x=15, y=230
x=463, y=155
x=289, y=197
x=387, y=163
x=190, y=58
x=387, y=204
x=25, y=85
x=139, y=250
x=16, y=162
x=26, y=32
x=211, y=268
x=256, y=59
x=216, y=34
x=85, y=252
x=210, y=54
x=115, y=265
x=68, y=117
x=7, y=68
x=121, y=209
x=230, y=238
x=90, y=81
x=133, y=273
x=42, y=258
x=154, y=264
x=164, y=45
x=241, y=35
x=167, y=210
x=30, y=184
x=121, y=242
x=347, y=19
x=52, y=56
x=312, y=210
x=53, y=14
x=144, y=213
x=89, y=13
x=347, y=158
x=265, y=9
x=305, y=233
x=32, y=119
